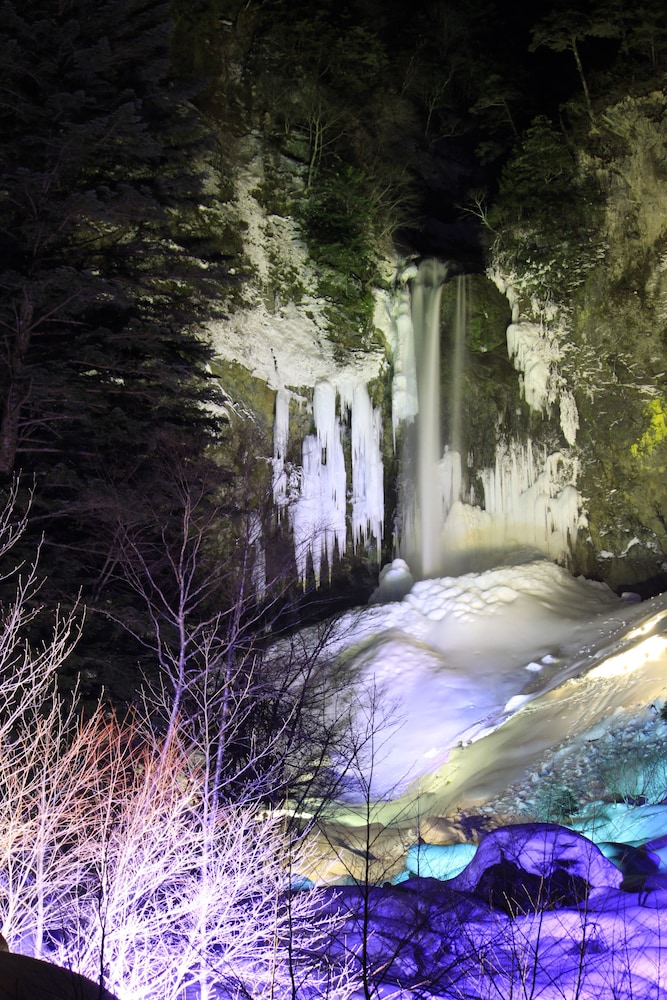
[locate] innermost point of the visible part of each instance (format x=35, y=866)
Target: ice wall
x=339, y=485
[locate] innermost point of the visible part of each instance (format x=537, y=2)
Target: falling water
x=436, y=472
x=427, y=292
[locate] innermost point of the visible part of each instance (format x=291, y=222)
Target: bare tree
x=117, y=857
x=565, y=30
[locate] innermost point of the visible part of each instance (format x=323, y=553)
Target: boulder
x=23, y=978
x=532, y=866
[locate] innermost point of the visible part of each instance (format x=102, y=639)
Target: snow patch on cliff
x=536, y=348
x=280, y=336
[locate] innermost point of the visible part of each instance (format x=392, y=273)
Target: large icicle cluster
x=533, y=502
x=316, y=493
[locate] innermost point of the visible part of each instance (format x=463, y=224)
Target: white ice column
x=367, y=468
x=533, y=503
x=318, y=516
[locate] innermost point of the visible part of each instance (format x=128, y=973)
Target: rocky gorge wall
x=564, y=411
x=597, y=291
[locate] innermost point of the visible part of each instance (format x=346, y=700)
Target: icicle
x=404, y=404
x=450, y=481
x=318, y=516
x=367, y=467
x=280, y=441
x=259, y=561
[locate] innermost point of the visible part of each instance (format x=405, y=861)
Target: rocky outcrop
x=21, y=976
x=598, y=355
x=563, y=402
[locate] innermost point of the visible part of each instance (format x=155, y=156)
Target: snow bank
x=540, y=915
x=459, y=655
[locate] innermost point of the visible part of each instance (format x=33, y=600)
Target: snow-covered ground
x=518, y=697
x=472, y=679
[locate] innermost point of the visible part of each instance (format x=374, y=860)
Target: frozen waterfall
x=454, y=513
x=529, y=496
x=341, y=467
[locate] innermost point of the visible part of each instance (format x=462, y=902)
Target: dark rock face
x=507, y=887
x=23, y=978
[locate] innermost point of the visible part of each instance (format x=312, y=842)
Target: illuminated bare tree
x=115, y=860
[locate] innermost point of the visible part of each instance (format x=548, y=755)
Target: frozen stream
x=468, y=680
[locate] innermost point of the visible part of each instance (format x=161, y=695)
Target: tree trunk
x=582, y=77
x=15, y=391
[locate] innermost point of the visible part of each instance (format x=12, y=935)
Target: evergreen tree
x=106, y=263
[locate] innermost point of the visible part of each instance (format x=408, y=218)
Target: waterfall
x=529, y=499
x=436, y=473
x=426, y=319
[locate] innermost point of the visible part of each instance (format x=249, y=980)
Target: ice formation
x=532, y=503
x=529, y=499
x=316, y=493
x=319, y=513
x=569, y=416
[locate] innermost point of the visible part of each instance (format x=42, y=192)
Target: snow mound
x=458, y=655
